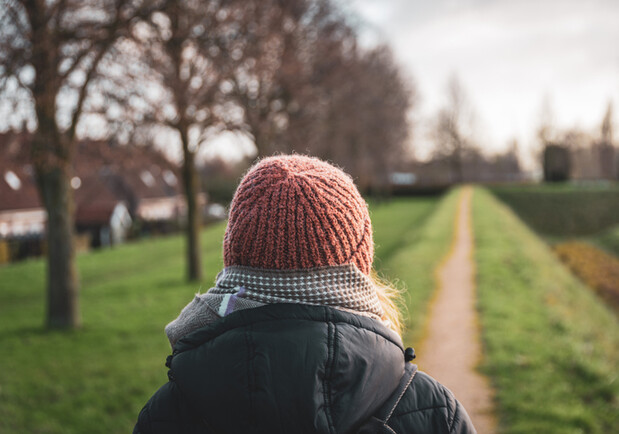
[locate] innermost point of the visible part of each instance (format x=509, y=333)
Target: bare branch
x=77, y=60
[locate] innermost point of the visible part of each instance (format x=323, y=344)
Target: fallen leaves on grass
x=595, y=267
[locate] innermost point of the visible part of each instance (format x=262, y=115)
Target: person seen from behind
x=297, y=335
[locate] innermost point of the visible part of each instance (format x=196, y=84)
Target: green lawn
x=96, y=379
x=396, y=223
x=552, y=348
x=412, y=265
x=409, y=249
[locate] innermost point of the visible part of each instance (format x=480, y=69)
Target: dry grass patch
x=593, y=266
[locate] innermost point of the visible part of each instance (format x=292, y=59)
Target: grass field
x=414, y=264
x=96, y=379
x=552, y=348
x=396, y=222
x=580, y=222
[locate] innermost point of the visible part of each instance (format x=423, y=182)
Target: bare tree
x=453, y=128
x=546, y=130
x=51, y=50
x=190, y=79
x=606, y=129
x=366, y=124
x=306, y=86
x=274, y=74
x=389, y=100
x=174, y=72
x=605, y=148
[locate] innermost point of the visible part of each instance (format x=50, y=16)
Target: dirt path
x=452, y=349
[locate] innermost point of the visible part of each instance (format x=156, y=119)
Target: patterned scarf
x=343, y=287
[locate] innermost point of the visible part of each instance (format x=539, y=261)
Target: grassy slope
x=552, y=349
x=422, y=249
x=97, y=379
x=392, y=220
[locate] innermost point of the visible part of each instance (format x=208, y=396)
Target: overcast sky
x=508, y=55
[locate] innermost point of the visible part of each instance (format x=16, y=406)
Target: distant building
x=22, y=219
x=406, y=179
x=589, y=159
x=118, y=190
x=594, y=162
x=436, y=175
x=141, y=178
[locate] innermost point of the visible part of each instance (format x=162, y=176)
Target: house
x=22, y=219
x=141, y=177
x=101, y=215
x=119, y=191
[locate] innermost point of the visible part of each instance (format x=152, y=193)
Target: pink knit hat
x=294, y=212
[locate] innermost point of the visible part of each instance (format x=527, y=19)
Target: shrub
x=572, y=211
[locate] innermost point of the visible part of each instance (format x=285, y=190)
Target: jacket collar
x=282, y=311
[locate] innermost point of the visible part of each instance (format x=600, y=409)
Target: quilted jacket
x=291, y=368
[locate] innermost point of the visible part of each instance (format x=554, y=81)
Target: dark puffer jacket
x=287, y=368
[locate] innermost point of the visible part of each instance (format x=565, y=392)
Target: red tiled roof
x=105, y=174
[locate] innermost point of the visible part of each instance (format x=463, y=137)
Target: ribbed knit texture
x=297, y=212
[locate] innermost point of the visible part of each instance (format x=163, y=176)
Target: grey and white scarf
x=343, y=287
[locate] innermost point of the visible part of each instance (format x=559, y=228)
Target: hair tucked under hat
x=296, y=212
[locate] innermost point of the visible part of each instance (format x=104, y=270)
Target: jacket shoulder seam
x=454, y=419
x=434, y=407
x=450, y=415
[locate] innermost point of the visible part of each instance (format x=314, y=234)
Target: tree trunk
x=62, y=280
x=50, y=155
x=190, y=184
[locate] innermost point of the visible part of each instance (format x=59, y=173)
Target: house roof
x=103, y=173
x=17, y=186
x=96, y=214
x=129, y=170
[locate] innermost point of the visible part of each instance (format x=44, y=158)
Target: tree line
x=290, y=73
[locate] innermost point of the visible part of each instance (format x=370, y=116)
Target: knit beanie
x=295, y=212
